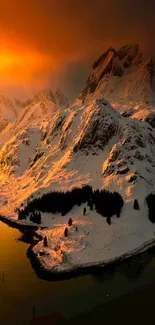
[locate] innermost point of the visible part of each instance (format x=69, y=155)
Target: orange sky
x=46, y=41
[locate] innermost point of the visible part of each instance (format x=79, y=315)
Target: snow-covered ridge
x=41, y=107
x=92, y=145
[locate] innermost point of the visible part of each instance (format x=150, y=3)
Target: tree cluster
x=21, y=214
x=35, y=217
x=106, y=203
x=151, y=205
x=58, y=202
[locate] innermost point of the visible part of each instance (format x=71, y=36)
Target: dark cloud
x=73, y=33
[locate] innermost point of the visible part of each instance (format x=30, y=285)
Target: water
x=128, y=288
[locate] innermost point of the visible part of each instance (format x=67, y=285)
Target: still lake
x=122, y=295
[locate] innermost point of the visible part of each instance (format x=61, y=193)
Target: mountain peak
x=150, y=64
x=60, y=98
x=101, y=67
x=128, y=51
x=121, y=74
x=102, y=57
x=45, y=94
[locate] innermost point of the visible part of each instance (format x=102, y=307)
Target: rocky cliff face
x=126, y=80
x=115, y=65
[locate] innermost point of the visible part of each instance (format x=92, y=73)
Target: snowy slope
x=91, y=241
x=126, y=80
x=95, y=145
x=92, y=145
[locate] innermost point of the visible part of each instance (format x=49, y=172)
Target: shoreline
x=77, y=270
x=85, y=268
x=16, y=224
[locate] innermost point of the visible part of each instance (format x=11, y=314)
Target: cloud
x=68, y=35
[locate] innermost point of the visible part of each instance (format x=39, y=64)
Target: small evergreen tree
x=70, y=222
x=150, y=199
x=136, y=205
x=21, y=214
x=91, y=206
x=108, y=220
x=66, y=232
x=45, y=242
x=31, y=217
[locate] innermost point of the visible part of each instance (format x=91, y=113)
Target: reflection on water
x=132, y=269
x=28, y=237
x=108, y=294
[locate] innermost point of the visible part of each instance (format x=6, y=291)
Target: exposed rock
x=139, y=156
x=123, y=170
x=114, y=153
x=126, y=64
x=132, y=177
x=108, y=169
x=117, y=71
x=128, y=51
x=102, y=58
x=151, y=119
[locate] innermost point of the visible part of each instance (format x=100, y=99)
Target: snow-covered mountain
x=8, y=111
x=126, y=80
x=54, y=147
x=57, y=98
x=61, y=100
x=41, y=107
x=92, y=144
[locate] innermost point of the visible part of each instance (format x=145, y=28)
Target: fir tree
x=45, y=242
x=66, y=232
x=108, y=220
x=151, y=205
x=136, y=205
x=91, y=206
x=70, y=222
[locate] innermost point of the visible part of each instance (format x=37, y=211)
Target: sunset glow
x=53, y=44
x=21, y=67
